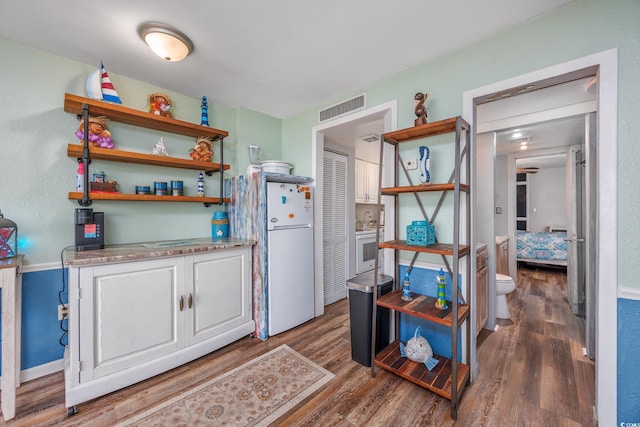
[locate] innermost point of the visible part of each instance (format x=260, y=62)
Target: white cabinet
x=366, y=182
x=132, y=320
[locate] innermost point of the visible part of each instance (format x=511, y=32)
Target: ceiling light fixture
x=166, y=42
x=516, y=135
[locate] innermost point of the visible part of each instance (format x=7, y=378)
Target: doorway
x=604, y=225
x=331, y=136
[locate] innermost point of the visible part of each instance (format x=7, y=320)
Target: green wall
x=36, y=174
x=580, y=29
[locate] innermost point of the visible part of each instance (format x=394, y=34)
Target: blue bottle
x=219, y=225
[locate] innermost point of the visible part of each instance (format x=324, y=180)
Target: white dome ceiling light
x=165, y=41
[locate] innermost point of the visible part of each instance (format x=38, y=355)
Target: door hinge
x=80, y=365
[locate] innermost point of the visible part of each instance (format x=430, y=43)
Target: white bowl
x=276, y=166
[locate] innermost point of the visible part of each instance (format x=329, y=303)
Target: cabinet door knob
x=181, y=303
x=190, y=301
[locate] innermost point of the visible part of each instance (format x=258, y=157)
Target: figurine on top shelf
x=202, y=152
x=420, y=109
x=99, y=136
x=160, y=105
x=204, y=120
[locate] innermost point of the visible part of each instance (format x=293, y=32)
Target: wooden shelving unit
x=118, y=113
x=449, y=377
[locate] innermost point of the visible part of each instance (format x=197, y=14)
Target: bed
x=541, y=247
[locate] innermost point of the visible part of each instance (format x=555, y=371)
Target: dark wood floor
x=533, y=373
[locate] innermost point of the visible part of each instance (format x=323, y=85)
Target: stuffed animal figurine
x=419, y=350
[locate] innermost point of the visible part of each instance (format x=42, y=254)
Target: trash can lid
x=364, y=282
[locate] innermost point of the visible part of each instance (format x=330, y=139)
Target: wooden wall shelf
x=75, y=150
x=130, y=116
x=146, y=198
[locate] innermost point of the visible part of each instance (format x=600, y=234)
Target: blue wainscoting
x=40, y=326
x=423, y=281
x=628, y=361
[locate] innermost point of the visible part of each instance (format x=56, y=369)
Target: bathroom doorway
x=604, y=65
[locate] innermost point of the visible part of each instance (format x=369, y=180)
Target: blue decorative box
x=421, y=233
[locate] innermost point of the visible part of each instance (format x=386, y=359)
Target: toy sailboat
x=99, y=86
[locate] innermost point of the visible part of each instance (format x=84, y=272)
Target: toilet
x=504, y=285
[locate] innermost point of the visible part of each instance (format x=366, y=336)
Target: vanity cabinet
x=366, y=182
x=502, y=255
x=482, y=288
x=129, y=321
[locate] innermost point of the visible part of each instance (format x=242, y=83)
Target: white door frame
x=607, y=238
x=390, y=112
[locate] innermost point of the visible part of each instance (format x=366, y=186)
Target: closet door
x=334, y=233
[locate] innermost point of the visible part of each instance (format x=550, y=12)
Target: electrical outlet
x=63, y=311
x=410, y=164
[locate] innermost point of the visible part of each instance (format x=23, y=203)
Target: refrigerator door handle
x=288, y=227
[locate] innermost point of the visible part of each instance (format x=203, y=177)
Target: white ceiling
x=279, y=57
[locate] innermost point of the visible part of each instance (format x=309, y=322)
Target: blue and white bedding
x=541, y=246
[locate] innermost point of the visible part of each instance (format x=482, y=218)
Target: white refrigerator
x=290, y=277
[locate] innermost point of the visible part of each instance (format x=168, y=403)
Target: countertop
x=148, y=250
x=370, y=230
x=501, y=239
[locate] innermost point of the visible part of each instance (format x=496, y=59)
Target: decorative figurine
x=200, y=185
x=441, y=302
x=204, y=121
x=425, y=176
x=406, y=288
x=160, y=105
x=419, y=350
x=99, y=86
x=420, y=110
x=159, y=149
x=99, y=136
x=202, y=151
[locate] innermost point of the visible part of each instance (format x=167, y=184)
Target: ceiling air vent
x=348, y=106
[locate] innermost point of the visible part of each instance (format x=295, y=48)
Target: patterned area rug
x=254, y=394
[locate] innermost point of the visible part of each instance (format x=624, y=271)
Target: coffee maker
x=254, y=160
x=89, y=229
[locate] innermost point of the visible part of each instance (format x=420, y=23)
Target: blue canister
x=177, y=188
x=160, y=188
x=219, y=225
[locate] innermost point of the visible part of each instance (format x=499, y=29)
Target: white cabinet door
x=129, y=314
x=361, y=181
x=221, y=296
x=372, y=182
x=366, y=182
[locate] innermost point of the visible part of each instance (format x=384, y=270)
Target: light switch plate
x=410, y=164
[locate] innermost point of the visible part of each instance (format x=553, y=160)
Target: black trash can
x=360, y=313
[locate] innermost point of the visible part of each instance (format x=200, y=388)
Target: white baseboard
x=41, y=371
x=629, y=293
x=30, y=268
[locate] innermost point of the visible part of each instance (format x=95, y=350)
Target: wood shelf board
x=130, y=116
x=437, y=380
x=146, y=197
x=392, y=191
x=436, y=248
x=423, y=306
x=75, y=150
x=426, y=130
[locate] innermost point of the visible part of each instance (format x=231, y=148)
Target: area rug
x=254, y=394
